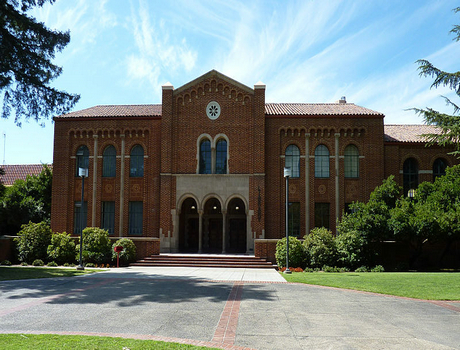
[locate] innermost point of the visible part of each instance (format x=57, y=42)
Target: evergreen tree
x=26, y=50
x=449, y=124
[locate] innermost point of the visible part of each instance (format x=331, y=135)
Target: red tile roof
x=335, y=109
x=117, y=111
x=408, y=133
x=19, y=172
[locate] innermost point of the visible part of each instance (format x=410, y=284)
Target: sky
x=305, y=51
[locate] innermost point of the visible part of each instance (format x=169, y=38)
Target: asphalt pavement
x=225, y=308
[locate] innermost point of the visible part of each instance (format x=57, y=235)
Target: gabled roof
x=116, y=111
x=19, y=172
x=408, y=133
x=336, y=109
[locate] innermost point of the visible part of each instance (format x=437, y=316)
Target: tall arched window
x=321, y=161
x=82, y=158
x=221, y=157
x=410, y=175
x=292, y=160
x=351, y=161
x=439, y=168
x=109, y=157
x=205, y=157
x=136, y=162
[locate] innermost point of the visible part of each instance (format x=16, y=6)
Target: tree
x=27, y=200
x=449, y=125
x=26, y=50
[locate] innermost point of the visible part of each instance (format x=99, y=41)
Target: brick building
x=203, y=171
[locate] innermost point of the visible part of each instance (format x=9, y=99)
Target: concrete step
x=198, y=260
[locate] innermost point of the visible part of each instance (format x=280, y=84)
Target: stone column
x=93, y=206
x=200, y=231
x=122, y=184
x=224, y=233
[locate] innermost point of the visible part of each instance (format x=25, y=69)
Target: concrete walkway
x=225, y=308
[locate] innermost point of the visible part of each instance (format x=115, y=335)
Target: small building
x=203, y=170
x=20, y=172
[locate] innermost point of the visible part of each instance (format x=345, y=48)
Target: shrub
x=38, y=262
x=6, y=263
x=96, y=246
x=128, y=254
x=32, y=241
x=362, y=269
x=62, y=248
x=52, y=264
x=24, y=264
x=320, y=248
x=351, y=248
x=89, y=265
x=296, y=253
x=378, y=268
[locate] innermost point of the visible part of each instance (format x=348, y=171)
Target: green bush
x=52, y=264
x=24, y=264
x=351, y=249
x=90, y=265
x=38, y=262
x=96, y=246
x=362, y=269
x=62, y=248
x=128, y=254
x=32, y=241
x=296, y=253
x=320, y=248
x=378, y=268
x=6, y=263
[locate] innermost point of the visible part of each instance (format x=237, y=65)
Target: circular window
x=213, y=110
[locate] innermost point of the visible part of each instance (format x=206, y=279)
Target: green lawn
x=22, y=273
x=420, y=285
x=55, y=342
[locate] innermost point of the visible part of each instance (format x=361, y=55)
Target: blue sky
x=121, y=52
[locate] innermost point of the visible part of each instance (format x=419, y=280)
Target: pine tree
x=27, y=48
x=449, y=125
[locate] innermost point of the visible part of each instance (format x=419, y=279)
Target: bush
x=362, y=269
x=90, y=265
x=96, y=246
x=378, y=268
x=296, y=253
x=6, y=263
x=320, y=248
x=38, y=262
x=62, y=248
x=128, y=254
x=24, y=264
x=52, y=264
x=32, y=241
x=351, y=249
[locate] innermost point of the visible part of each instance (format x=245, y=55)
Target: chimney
x=343, y=99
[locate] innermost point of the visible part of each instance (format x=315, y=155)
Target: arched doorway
x=189, y=226
x=212, y=226
x=236, y=226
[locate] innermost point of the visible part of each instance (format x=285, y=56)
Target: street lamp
x=82, y=172
x=287, y=174
x=411, y=193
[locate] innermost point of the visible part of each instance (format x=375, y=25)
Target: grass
x=419, y=285
x=55, y=342
x=22, y=273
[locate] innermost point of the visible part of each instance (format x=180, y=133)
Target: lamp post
x=287, y=174
x=82, y=172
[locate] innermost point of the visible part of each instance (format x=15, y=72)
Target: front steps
x=205, y=260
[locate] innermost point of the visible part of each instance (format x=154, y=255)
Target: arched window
x=292, y=160
x=351, y=161
x=109, y=157
x=205, y=157
x=136, y=162
x=410, y=175
x=321, y=161
x=439, y=168
x=82, y=158
x=221, y=157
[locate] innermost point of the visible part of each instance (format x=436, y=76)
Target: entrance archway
x=189, y=226
x=212, y=226
x=236, y=226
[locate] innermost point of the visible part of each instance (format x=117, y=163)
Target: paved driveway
x=225, y=308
